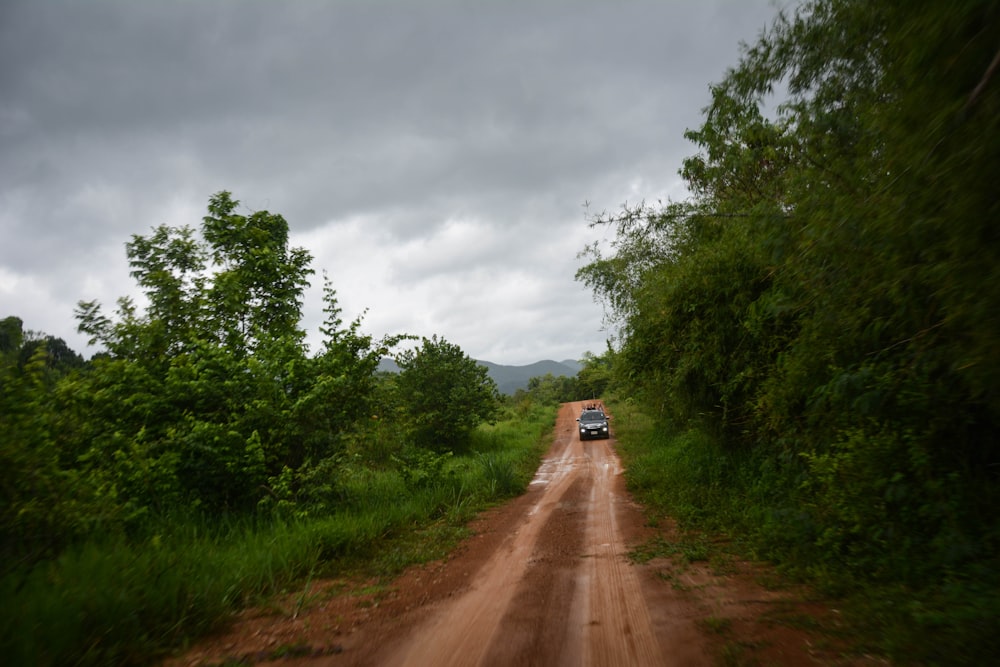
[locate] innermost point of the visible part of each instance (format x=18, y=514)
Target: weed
x=708, y=489
x=304, y=596
x=678, y=585
x=722, y=564
x=716, y=624
x=734, y=654
x=689, y=550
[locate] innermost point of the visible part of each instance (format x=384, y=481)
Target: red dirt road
x=559, y=590
x=545, y=580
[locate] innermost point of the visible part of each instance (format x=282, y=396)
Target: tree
x=548, y=389
x=45, y=502
x=256, y=294
x=203, y=395
x=827, y=302
x=444, y=393
x=594, y=377
x=11, y=334
x=339, y=387
x=238, y=288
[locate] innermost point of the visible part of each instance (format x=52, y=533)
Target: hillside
x=511, y=378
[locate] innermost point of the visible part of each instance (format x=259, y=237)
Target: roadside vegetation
x=810, y=344
x=806, y=359
x=124, y=598
x=205, y=459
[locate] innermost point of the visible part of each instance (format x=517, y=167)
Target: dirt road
x=546, y=581
x=560, y=589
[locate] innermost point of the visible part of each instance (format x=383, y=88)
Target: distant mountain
x=511, y=378
x=573, y=364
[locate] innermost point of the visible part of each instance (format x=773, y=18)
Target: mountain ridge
x=510, y=378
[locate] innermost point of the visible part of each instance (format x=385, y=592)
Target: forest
x=815, y=331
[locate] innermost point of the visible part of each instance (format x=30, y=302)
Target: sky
x=440, y=160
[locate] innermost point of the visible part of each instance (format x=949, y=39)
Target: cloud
x=433, y=157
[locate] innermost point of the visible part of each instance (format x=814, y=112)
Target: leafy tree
x=340, y=391
x=828, y=297
x=256, y=294
x=59, y=357
x=594, y=378
x=238, y=289
x=25, y=344
x=444, y=393
x=45, y=501
x=209, y=397
x=11, y=334
x=548, y=389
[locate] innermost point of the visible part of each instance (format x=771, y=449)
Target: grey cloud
x=116, y=116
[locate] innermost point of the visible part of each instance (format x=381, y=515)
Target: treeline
x=591, y=381
x=818, y=325
x=206, y=459
x=208, y=402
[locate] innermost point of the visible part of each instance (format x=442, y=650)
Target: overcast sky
x=433, y=157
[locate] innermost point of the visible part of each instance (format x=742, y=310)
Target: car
x=593, y=424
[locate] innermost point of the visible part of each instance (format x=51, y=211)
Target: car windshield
x=592, y=416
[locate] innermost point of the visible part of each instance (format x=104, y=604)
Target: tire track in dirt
x=534, y=629
x=559, y=591
x=620, y=630
x=462, y=633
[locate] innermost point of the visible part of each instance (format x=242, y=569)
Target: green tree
x=203, y=395
x=256, y=294
x=209, y=397
x=827, y=300
x=11, y=334
x=548, y=389
x=596, y=375
x=338, y=391
x=238, y=288
x=45, y=500
x=444, y=393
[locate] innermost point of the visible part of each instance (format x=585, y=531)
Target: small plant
x=422, y=468
x=717, y=625
x=690, y=550
x=500, y=475
x=734, y=654
x=721, y=563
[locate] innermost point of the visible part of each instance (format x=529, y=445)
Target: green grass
x=113, y=600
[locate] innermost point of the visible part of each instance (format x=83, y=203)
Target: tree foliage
x=206, y=401
x=444, y=393
x=828, y=296
x=45, y=501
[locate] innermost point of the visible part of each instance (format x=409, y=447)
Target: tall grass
x=115, y=600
